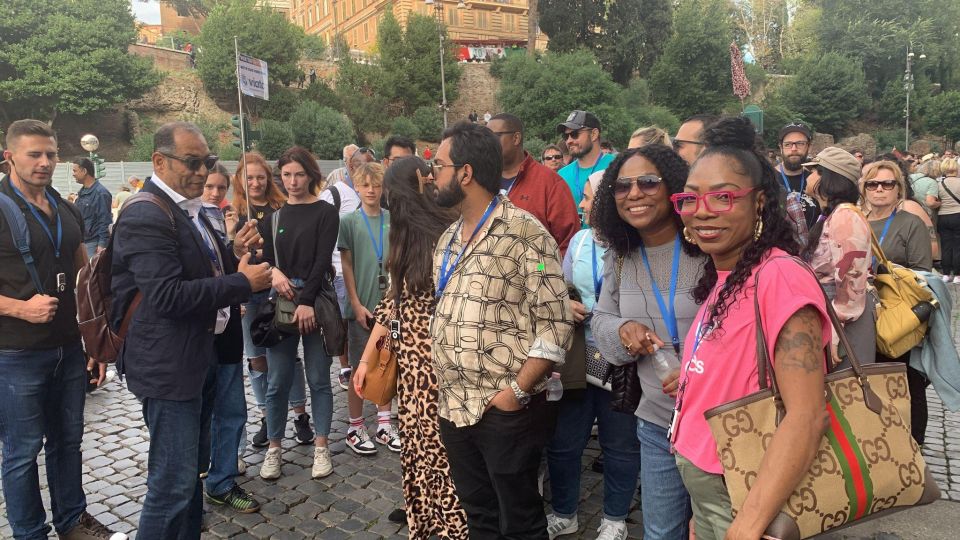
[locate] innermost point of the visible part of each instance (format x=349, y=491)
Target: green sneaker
x=236, y=498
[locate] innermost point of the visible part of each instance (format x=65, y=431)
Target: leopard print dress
x=431, y=501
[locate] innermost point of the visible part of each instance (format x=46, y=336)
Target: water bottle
x=554, y=387
x=665, y=364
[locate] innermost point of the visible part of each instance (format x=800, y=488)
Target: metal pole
x=443, y=81
x=243, y=136
x=907, y=86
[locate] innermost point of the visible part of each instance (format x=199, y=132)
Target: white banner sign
x=253, y=77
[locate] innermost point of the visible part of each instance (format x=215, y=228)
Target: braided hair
x=609, y=227
x=735, y=139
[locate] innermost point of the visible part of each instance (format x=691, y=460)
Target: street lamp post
x=438, y=9
x=908, y=87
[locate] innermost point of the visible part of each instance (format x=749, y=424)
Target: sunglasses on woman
x=716, y=202
x=648, y=184
x=873, y=185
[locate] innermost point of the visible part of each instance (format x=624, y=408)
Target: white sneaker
x=241, y=465
x=322, y=466
x=389, y=437
x=270, y=469
x=947, y=278
x=558, y=526
x=956, y=279
x=359, y=441
x=612, y=530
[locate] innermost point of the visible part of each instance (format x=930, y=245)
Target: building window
x=182, y=11
x=353, y=6
x=366, y=33
x=453, y=18
x=325, y=8
x=310, y=18
x=481, y=19
x=509, y=22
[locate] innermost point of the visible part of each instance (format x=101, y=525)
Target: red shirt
x=542, y=192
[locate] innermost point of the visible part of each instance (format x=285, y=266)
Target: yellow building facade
x=500, y=23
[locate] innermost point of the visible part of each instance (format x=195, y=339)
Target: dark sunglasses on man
x=553, y=157
x=194, y=163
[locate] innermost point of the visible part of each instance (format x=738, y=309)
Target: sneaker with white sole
x=612, y=530
x=301, y=429
x=359, y=441
x=322, y=466
x=558, y=526
x=956, y=279
x=270, y=469
x=388, y=436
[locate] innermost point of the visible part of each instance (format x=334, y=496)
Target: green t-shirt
x=359, y=240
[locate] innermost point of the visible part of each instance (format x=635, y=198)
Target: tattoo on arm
x=799, y=343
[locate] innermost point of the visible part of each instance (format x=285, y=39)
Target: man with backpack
x=41, y=357
x=168, y=255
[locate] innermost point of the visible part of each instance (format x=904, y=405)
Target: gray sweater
x=631, y=298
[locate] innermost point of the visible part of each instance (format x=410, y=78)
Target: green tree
x=283, y=102
x=360, y=92
x=943, y=115
x=314, y=47
x=405, y=127
x=429, y=122
x=627, y=35
x=264, y=33
x=322, y=130
x=542, y=91
x=693, y=74
x=321, y=93
x=829, y=90
x=68, y=57
x=276, y=138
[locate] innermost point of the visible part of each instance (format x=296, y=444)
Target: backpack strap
x=943, y=184
x=275, y=219
x=335, y=193
x=139, y=197
x=21, y=237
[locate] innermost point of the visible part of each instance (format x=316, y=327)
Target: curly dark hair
x=734, y=138
x=610, y=228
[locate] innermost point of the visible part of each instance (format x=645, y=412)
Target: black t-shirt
x=798, y=183
x=306, y=236
x=260, y=213
x=15, y=281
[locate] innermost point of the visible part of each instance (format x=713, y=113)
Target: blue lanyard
x=597, y=276
x=886, y=227
x=42, y=220
x=669, y=315
x=208, y=243
x=786, y=183
x=376, y=247
x=447, y=271
x=577, y=176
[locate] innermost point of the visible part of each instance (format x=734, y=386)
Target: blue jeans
x=281, y=360
x=298, y=390
x=664, y=500
x=179, y=452
x=621, y=453
x=226, y=428
x=42, y=396
x=91, y=248
x=250, y=313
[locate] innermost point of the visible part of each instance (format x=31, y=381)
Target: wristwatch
x=522, y=397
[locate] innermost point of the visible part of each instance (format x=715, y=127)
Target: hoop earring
x=689, y=237
x=758, y=230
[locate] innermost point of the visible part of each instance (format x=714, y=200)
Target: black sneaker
x=260, y=439
x=238, y=499
x=398, y=516
x=301, y=428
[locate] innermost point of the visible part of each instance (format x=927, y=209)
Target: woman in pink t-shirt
x=733, y=209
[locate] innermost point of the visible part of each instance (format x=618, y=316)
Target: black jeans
x=917, y=383
x=495, y=464
x=949, y=228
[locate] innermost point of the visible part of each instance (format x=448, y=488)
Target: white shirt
x=192, y=208
x=349, y=202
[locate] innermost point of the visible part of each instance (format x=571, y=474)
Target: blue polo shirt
x=576, y=176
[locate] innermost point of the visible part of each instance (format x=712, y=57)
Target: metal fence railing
x=117, y=173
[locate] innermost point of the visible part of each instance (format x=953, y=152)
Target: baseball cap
x=795, y=127
x=579, y=120
x=839, y=161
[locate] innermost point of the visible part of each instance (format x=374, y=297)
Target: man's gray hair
x=163, y=139
x=349, y=150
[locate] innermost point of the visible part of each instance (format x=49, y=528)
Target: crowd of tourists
x=522, y=300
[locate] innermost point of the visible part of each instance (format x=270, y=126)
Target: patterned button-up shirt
x=505, y=301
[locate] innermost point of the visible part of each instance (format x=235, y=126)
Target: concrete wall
x=164, y=59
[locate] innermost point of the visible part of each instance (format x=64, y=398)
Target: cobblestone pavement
x=355, y=500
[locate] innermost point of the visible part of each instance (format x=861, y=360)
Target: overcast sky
x=146, y=11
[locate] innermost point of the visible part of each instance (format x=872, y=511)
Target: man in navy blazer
x=189, y=279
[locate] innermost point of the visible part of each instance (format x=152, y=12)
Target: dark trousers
x=949, y=228
x=179, y=452
x=917, y=383
x=495, y=464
